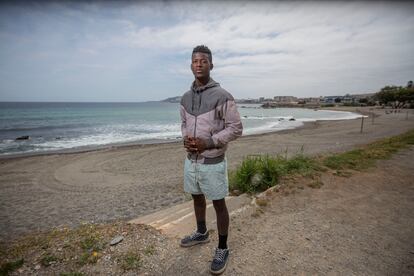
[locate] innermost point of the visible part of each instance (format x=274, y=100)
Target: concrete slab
x=179, y=220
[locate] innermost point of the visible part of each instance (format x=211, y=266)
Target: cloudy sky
x=139, y=51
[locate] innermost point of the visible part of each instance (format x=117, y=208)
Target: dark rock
x=292, y=119
x=26, y=137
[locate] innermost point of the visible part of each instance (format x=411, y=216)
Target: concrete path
x=179, y=220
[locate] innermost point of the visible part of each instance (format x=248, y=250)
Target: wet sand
x=40, y=192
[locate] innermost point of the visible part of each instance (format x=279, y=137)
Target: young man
x=209, y=121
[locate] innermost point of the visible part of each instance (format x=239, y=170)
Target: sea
x=65, y=126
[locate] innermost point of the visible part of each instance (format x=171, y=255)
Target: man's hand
x=189, y=144
x=194, y=145
x=200, y=145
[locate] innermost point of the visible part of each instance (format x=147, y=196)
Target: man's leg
x=200, y=212
x=222, y=221
x=221, y=256
x=201, y=235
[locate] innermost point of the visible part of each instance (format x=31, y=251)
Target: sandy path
x=40, y=192
x=362, y=225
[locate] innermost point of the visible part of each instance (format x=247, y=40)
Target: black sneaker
x=195, y=238
x=219, y=263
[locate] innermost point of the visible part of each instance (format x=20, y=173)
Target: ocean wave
x=272, y=126
x=246, y=117
x=105, y=139
x=141, y=128
x=41, y=128
x=144, y=130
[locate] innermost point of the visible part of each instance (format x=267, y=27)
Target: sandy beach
x=40, y=192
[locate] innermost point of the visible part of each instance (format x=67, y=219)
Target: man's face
x=201, y=66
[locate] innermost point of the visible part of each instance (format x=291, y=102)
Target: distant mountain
x=175, y=99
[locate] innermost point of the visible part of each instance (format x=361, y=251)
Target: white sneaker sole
x=217, y=272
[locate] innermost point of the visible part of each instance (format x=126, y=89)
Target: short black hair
x=203, y=49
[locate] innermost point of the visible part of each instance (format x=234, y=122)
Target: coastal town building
x=285, y=99
x=308, y=100
x=331, y=99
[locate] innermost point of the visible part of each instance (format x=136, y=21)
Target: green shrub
x=258, y=173
x=9, y=267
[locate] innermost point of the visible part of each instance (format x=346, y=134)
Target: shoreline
x=154, y=142
x=125, y=182
x=147, y=143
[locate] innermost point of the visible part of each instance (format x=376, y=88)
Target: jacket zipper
x=195, y=133
x=195, y=122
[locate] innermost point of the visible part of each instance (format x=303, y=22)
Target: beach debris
x=117, y=240
x=256, y=180
x=292, y=119
x=25, y=137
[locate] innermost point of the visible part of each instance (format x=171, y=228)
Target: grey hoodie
x=209, y=112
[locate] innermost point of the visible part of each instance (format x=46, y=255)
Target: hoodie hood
x=211, y=83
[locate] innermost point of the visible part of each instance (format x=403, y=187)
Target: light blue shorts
x=208, y=179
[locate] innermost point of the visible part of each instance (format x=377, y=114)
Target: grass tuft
x=48, y=259
x=131, y=260
x=149, y=250
x=260, y=172
x=71, y=274
x=9, y=267
x=366, y=156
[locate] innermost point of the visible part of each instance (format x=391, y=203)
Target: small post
x=362, y=123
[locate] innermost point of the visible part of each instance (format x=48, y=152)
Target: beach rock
x=116, y=240
x=25, y=137
x=292, y=119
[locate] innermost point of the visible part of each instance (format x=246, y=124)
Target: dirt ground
x=361, y=225
x=121, y=183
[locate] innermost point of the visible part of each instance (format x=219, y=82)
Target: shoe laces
x=193, y=235
x=220, y=253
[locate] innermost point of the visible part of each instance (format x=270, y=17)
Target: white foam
x=126, y=133
x=105, y=139
x=266, y=117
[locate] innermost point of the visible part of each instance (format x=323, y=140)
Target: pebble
x=117, y=240
x=37, y=267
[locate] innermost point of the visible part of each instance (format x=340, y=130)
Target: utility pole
x=362, y=123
